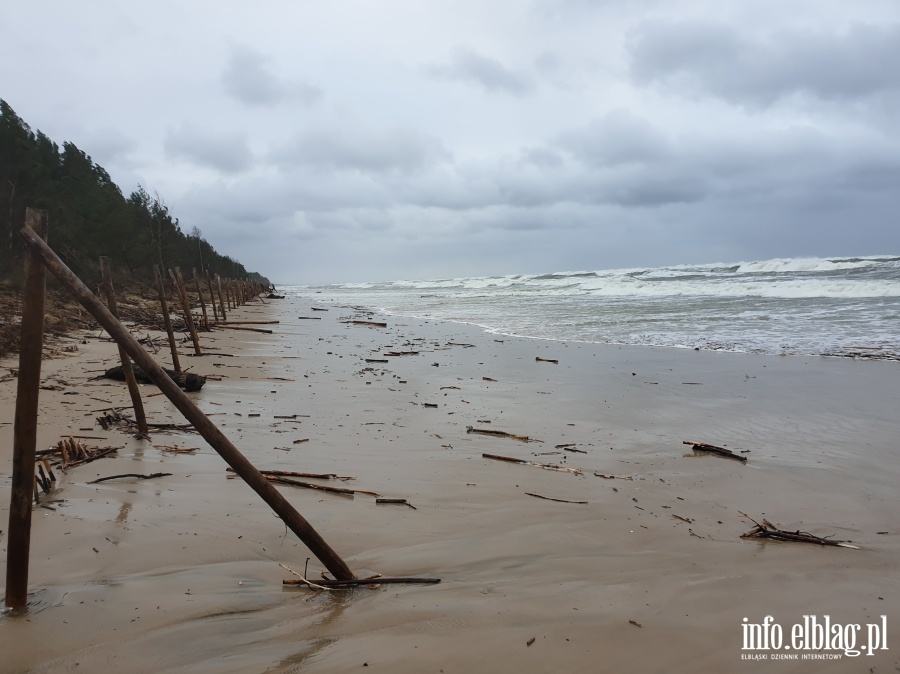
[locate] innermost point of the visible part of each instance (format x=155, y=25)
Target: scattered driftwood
x=558, y=500
x=265, y=331
x=139, y=476
x=186, y=380
x=291, y=473
x=769, y=530
x=547, y=360
x=524, y=462
x=712, y=449
x=607, y=476
x=377, y=360
x=115, y=419
x=278, y=479
x=499, y=434
x=402, y=353
x=374, y=324
x=318, y=309
x=309, y=318
x=69, y=453
x=329, y=584
x=394, y=501
x=488, y=379
x=273, y=296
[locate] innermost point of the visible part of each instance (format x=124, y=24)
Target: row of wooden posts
x=237, y=292
x=40, y=257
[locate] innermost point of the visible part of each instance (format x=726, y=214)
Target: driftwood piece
x=524, y=462
x=278, y=479
x=607, y=476
x=229, y=326
x=374, y=324
x=394, y=501
x=345, y=584
x=291, y=473
x=770, y=531
x=499, y=434
x=402, y=353
x=189, y=381
x=712, y=449
x=139, y=476
x=547, y=360
x=558, y=500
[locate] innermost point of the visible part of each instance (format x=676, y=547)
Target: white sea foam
x=791, y=305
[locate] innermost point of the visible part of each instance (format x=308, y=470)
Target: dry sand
x=180, y=574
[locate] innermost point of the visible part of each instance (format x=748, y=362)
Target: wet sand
x=181, y=573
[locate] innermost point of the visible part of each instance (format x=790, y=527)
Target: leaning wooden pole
x=202, y=301
x=18, y=545
x=133, y=390
x=210, y=432
x=178, y=280
x=167, y=320
x=221, y=301
x=212, y=296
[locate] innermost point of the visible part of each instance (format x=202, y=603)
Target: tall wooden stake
x=221, y=301
x=202, y=301
x=178, y=280
x=212, y=296
x=217, y=440
x=133, y=390
x=18, y=545
x=161, y=290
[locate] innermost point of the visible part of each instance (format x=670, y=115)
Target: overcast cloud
x=351, y=141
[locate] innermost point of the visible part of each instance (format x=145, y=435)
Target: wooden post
x=178, y=280
x=128, y=371
x=18, y=545
x=221, y=302
x=161, y=290
x=212, y=296
x=202, y=301
x=294, y=520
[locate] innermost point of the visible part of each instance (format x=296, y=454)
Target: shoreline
x=185, y=575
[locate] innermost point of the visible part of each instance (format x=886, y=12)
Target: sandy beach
x=181, y=573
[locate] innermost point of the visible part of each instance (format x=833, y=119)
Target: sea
x=841, y=306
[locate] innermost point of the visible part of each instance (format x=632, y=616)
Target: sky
x=355, y=140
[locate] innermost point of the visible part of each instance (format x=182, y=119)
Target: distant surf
x=804, y=306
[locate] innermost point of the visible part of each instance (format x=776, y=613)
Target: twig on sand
x=547, y=360
x=545, y=466
x=137, y=475
x=395, y=501
x=558, y=500
x=499, y=434
x=721, y=451
x=769, y=530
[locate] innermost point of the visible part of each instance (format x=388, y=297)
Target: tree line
x=89, y=215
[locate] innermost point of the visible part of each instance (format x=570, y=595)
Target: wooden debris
x=607, y=476
x=309, y=318
x=291, y=473
x=499, y=434
x=769, y=530
x=265, y=331
x=377, y=360
x=114, y=419
x=394, y=501
x=278, y=479
x=300, y=441
x=488, y=379
x=558, y=500
x=712, y=449
x=359, y=582
x=318, y=309
x=189, y=381
x=635, y=623
x=402, y=353
x=374, y=324
x=547, y=360
x=136, y=475
x=545, y=466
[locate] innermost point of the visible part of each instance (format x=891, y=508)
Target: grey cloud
x=359, y=149
x=248, y=78
x=493, y=76
x=619, y=137
x=717, y=60
x=228, y=153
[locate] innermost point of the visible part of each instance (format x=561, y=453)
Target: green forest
x=88, y=214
